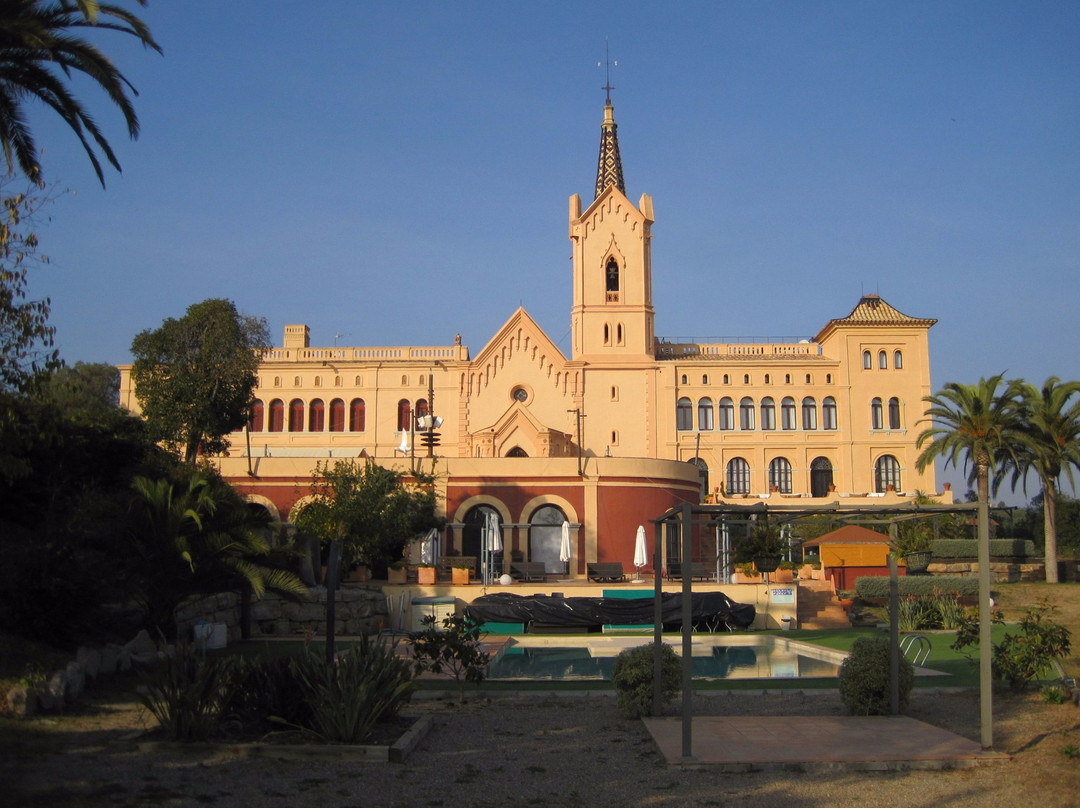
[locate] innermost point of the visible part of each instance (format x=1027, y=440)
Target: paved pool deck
x=807, y=743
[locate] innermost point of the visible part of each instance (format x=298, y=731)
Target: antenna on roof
x=607, y=88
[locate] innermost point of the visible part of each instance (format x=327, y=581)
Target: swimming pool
x=715, y=656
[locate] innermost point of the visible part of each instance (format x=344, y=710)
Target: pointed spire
x=609, y=166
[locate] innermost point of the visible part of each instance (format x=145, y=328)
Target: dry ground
x=538, y=750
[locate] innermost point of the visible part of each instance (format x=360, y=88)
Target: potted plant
x=397, y=571
x=746, y=574
x=913, y=544
x=425, y=574
x=460, y=572
x=767, y=546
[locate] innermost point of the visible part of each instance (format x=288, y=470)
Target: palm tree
x=39, y=49
x=1050, y=446
x=981, y=425
x=199, y=537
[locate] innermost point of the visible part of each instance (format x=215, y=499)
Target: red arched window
x=296, y=415
x=316, y=415
x=337, y=415
x=255, y=422
x=356, y=415
x=404, y=415
x=277, y=415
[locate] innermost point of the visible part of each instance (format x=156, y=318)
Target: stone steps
x=819, y=607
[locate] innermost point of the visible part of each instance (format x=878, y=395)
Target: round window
x=521, y=394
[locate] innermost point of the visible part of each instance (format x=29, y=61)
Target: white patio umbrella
x=564, y=545
x=492, y=544
x=641, y=552
x=428, y=550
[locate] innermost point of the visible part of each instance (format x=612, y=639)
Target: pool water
x=714, y=657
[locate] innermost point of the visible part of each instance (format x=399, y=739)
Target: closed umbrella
x=427, y=547
x=564, y=546
x=492, y=544
x=641, y=552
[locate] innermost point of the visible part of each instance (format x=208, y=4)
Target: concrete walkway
x=804, y=743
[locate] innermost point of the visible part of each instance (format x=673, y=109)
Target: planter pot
x=358, y=574
x=917, y=563
x=460, y=576
x=847, y=604
x=396, y=576
x=782, y=577
x=425, y=575
x=743, y=578
x=766, y=563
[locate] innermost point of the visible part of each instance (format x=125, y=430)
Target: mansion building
x=626, y=427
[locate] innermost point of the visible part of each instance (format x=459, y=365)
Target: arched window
x=684, y=415
x=886, y=473
x=619, y=339
x=357, y=415
x=607, y=334
x=404, y=415
x=738, y=476
x=316, y=415
x=898, y=360
x=421, y=408
x=867, y=360
x=703, y=477
x=704, y=414
x=828, y=413
x=277, y=415
x=809, y=413
x=877, y=416
x=472, y=534
x=545, y=538
x=727, y=413
x=337, y=415
x=894, y=413
x=683, y=381
x=705, y=378
x=296, y=415
x=821, y=478
x=255, y=421
x=768, y=413
x=746, y=413
x=611, y=273
x=780, y=475
x=727, y=379
x=746, y=378
x=882, y=360
x=787, y=413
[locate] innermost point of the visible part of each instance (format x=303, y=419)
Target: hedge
x=969, y=548
x=877, y=586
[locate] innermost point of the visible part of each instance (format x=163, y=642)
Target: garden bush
x=190, y=692
x=632, y=676
x=1022, y=655
x=362, y=686
x=864, y=678
x=969, y=548
x=454, y=648
x=870, y=587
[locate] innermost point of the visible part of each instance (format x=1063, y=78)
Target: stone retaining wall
x=1000, y=571
x=357, y=610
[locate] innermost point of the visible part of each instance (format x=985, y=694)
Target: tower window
x=611, y=273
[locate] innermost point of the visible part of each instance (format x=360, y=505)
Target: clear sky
x=396, y=173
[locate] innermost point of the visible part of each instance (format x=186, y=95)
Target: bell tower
x=612, y=316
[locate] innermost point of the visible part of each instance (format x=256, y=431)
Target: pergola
x=684, y=518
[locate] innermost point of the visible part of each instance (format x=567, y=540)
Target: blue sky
x=397, y=173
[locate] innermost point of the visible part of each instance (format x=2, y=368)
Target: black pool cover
x=712, y=611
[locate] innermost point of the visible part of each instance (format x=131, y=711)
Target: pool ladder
x=919, y=645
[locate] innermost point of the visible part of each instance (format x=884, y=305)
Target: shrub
x=877, y=586
x=348, y=696
x=969, y=548
x=1054, y=695
x=190, y=692
x=915, y=613
x=864, y=678
x=455, y=648
x=632, y=675
x=1022, y=655
x=268, y=692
